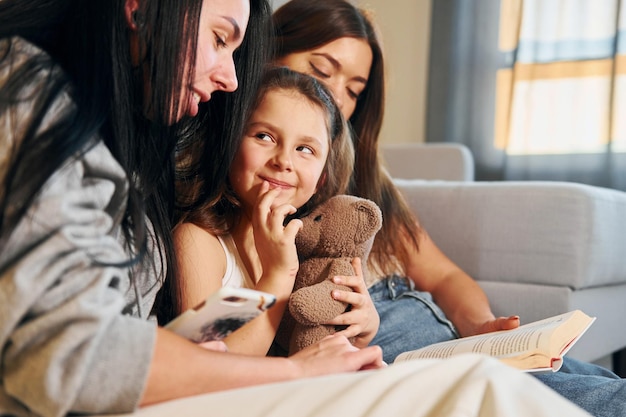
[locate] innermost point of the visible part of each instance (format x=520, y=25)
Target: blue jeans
x=410, y=319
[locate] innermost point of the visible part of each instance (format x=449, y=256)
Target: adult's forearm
x=463, y=302
x=181, y=368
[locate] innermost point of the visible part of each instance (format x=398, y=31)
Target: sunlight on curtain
x=535, y=88
x=565, y=92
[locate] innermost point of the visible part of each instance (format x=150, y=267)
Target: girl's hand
x=333, y=354
x=362, y=320
x=275, y=243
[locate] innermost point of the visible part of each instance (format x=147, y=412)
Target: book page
x=524, y=341
x=501, y=344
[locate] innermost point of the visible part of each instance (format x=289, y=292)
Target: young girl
x=295, y=153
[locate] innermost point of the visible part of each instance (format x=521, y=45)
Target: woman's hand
x=499, y=323
x=362, y=319
x=334, y=354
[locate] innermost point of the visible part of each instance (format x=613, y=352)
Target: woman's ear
x=134, y=20
x=132, y=14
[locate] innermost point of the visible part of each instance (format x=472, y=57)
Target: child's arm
x=276, y=248
x=201, y=264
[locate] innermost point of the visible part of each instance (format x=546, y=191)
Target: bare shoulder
x=201, y=261
x=190, y=235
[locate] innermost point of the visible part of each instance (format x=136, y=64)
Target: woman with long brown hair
x=421, y=296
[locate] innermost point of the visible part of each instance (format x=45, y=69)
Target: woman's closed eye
x=317, y=71
x=220, y=41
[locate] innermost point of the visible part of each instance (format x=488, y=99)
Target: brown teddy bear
x=332, y=235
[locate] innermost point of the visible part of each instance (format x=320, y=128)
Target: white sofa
x=537, y=248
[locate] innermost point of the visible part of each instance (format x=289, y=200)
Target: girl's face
x=221, y=30
x=286, y=143
x=343, y=65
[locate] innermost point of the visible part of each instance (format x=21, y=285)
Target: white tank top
x=236, y=274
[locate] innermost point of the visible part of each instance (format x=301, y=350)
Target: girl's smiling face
x=286, y=143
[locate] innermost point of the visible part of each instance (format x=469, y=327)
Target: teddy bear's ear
x=370, y=220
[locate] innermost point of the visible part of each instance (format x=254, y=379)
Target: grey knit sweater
x=65, y=341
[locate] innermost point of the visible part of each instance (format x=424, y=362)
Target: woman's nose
x=226, y=76
x=337, y=95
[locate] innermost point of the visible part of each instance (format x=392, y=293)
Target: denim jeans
x=410, y=319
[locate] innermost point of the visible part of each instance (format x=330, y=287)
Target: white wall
x=405, y=28
x=277, y=3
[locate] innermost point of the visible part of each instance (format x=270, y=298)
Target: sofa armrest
x=551, y=233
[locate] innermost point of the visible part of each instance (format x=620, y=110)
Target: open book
x=533, y=347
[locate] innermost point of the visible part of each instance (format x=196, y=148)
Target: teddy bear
x=335, y=232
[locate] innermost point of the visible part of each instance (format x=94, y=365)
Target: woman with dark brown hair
x=95, y=96
x=421, y=296
x=337, y=43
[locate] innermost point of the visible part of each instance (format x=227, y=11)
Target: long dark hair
x=302, y=25
x=203, y=159
x=86, y=54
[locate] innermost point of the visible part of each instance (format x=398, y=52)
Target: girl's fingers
x=355, y=282
x=278, y=214
x=271, y=217
x=356, y=265
x=349, y=297
x=265, y=199
x=349, y=318
x=292, y=228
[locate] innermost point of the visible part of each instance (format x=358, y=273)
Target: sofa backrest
x=428, y=161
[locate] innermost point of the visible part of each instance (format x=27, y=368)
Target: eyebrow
x=309, y=139
x=236, y=28
x=337, y=65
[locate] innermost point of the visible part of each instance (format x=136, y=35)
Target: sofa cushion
x=536, y=232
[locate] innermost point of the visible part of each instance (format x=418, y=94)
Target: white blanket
x=466, y=385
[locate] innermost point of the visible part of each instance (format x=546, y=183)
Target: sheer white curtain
x=554, y=89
